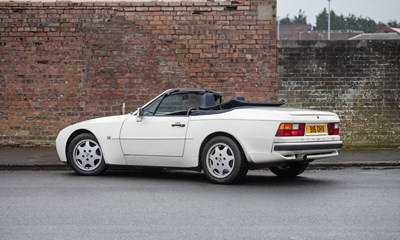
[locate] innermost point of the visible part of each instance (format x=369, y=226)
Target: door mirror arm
x=139, y=115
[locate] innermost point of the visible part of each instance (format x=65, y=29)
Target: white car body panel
x=106, y=130
x=153, y=141
x=255, y=134
x=154, y=136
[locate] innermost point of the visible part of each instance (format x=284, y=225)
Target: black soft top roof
x=192, y=90
x=229, y=104
x=233, y=103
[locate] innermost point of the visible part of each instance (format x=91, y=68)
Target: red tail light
x=291, y=129
x=333, y=128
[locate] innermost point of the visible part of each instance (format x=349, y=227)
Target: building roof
x=377, y=36
x=389, y=30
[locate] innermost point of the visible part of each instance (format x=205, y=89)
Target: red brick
x=114, y=52
x=167, y=8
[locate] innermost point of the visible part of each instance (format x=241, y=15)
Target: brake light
x=333, y=128
x=291, y=129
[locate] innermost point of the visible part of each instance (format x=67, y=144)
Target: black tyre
x=289, y=170
x=222, y=161
x=85, y=156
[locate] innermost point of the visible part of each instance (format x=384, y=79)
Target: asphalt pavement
x=350, y=203
x=47, y=159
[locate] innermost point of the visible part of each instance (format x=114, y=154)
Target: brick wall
x=63, y=62
x=359, y=80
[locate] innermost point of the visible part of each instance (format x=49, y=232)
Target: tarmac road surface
x=47, y=159
x=328, y=204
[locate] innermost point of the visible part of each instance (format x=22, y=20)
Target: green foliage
x=393, y=23
x=340, y=22
x=322, y=20
x=301, y=18
x=286, y=20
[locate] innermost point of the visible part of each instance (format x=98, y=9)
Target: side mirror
x=139, y=115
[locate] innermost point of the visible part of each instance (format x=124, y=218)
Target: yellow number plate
x=316, y=129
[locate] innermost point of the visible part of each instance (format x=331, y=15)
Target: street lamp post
x=329, y=19
x=278, y=30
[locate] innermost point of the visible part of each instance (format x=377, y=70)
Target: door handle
x=178, y=124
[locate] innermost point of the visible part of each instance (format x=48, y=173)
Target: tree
x=366, y=25
x=393, y=23
x=340, y=22
x=301, y=18
x=286, y=20
x=351, y=22
x=322, y=20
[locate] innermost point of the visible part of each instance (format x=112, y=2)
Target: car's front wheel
x=222, y=161
x=85, y=156
x=289, y=169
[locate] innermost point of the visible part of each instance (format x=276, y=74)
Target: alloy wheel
x=220, y=160
x=87, y=155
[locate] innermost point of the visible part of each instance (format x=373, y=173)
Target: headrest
x=207, y=100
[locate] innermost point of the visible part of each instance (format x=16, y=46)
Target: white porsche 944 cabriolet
x=195, y=129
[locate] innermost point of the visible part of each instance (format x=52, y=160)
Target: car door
x=161, y=133
x=154, y=136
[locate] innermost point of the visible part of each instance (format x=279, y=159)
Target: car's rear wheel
x=222, y=161
x=85, y=156
x=289, y=169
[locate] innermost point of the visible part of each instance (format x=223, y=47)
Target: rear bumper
x=307, y=150
x=307, y=146
x=282, y=152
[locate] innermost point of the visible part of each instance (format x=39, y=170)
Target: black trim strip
x=308, y=147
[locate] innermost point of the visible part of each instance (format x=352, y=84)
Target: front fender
x=106, y=131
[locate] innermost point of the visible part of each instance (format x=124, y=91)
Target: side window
x=151, y=109
x=178, y=104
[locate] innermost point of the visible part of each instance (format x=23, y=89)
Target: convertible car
x=196, y=129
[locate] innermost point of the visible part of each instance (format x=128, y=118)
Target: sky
x=378, y=10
